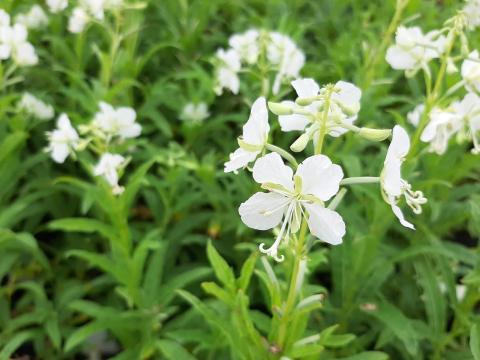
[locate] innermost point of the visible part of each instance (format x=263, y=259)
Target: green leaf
x=173, y=351
x=247, y=271
x=475, y=341
x=84, y=225
x=15, y=342
x=83, y=333
x=215, y=290
x=223, y=272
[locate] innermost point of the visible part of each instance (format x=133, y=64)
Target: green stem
x=283, y=153
x=323, y=126
x=360, y=180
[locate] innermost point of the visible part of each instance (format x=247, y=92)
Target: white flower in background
x=117, y=121
x=14, y=44
x=78, y=20
x=56, y=6
x=413, y=49
x=35, y=107
x=4, y=18
x=317, y=180
x=472, y=12
x=344, y=106
x=254, y=138
x=195, y=113
x=468, y=113
x=415, y=115
x=108, y=168
x=442, y=125
x=227, y=71
x=35, y=18
x=284, y=53
x=393, y=186
x=63, y=140
x=471, y=72
x=246, y=45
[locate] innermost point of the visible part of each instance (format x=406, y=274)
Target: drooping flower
x=117, y=121
x=442, y=125
x=63, y=140
x=246, y=45
x=254, y=137
x=227, y=71
x=392, y=183
x=471, y=71
x=468, y=113
x=290, y=197
x=108, y=168
x=284, y=53
x=413, y=49
x=35, y=18
x=35, y=107
x=195, y=113
x=56, y=6
x=344, y=105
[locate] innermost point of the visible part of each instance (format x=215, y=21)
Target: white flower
x=35, y=107
x=4, y=18
x=195, y=112
x=246, y=45
x=442, y=125
x=108, y=167
x=344, y=105
x=468, y=112
x=226, y=72
x=413, y=49
x=317, y=180
x=78, y=20
x=472, y=12
x=415, y=115
x=62, y=140
x=33, y=19
x=56, y=6
x=117, y=121
x=13, y=43
x=471, y=72
x=393, y=186
x=284, y=53
x=94, y=7
x=254, y=138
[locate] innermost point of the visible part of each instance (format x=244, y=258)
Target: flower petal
x=271, y=169
x=263, y=211
x=306, y=87
x=240, y=159
x=399, y=214
x=400, y=144
x=392, y=178
x=292, y=122
x=320, y=177
x=255, y=131
x=325, y=224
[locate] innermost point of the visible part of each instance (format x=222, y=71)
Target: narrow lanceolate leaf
x=173, y=350
x=84, y=225
x=247, y=271
x=475, y=341
x=83, y=333
x=15, y=342
x=223, y=272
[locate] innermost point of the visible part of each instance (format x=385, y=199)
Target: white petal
x=320, y=177
x=60, y=152
x=292, y=122
x=271, y=169
x=349, y=95
x=392, y=178
x=399, y=214
x=399, y=59
x=240, y=159
x=263, y=211
x=400, y=144
x=306, y=87
x=325, y=224
x=255, y=131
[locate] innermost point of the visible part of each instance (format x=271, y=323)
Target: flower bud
x=279, y=108
x=304, y=101
x=375, y=134
x=451, y=67
x=349, y=109
x=300, y=143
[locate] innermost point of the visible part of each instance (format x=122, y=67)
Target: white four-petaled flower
x=254, y=138
x=246, y=45
x=14, y=44
x=62, y=140
x=35, y=107
x=117, y=121
x=292, y=198
x=108, y=168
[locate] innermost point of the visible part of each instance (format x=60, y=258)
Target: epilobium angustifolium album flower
x=273, y=52
x=195, y=113
x=413, y=49
x=290, y=198
x=117, y=121
x=393, y=186
x=36, y=107
x=472, y=12
x=56, y=6
x=254, y=137
x=63, y=140
x=471, y=71
x=34, y=18
x=89, y=10
x=108, y=168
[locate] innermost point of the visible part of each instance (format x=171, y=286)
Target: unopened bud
x=375, y=134
x=304, y=101
x=300, y=143
x=451, y=67
x=280, y=108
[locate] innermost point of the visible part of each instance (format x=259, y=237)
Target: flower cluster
x=14, y=44
x=296, y=197
x=270, y=51
x=34, y=18
x=110, y=126
x=90, y=10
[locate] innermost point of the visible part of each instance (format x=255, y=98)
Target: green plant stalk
x=283, y=153
x=323, y=126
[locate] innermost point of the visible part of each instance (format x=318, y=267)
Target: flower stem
x=283, y=153
x=323, y=125
x=360, y=180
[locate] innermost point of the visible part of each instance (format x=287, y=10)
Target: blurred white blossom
x=442, y=125
x=35, y=107
x=63, y=140
x=227, y=71
x=195, y=113
x=34, y=18
x=14, y=44
x=471, y=71
x=78, y=20
x=108, y=167
x=117, y=121
x=56, y=6
x=472, y=12
x=468, y=112
x=246, y=45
